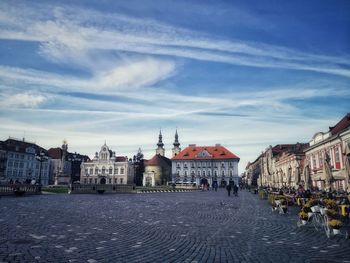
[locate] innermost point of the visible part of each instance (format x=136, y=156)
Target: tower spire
x=176, y=149
x=176, y=142
x=160, y=140
x=160, y=149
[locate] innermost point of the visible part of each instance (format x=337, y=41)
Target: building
x=205, y=165
x=3, y=161
x=24, y=161
x=282, y=165
x=157, y=171
x=252, y=172
x=65, y=166
x=327, y=157
x=158, y=168
x=107, y=168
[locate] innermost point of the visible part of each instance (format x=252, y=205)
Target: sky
x=245, y=74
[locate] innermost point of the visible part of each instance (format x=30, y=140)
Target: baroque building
x=107, y=168
x=205, y=165
x=158, y=168
x=282, y=165
x=20, y=162
x=328, y=157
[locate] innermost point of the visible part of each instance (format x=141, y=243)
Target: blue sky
x=245, y=74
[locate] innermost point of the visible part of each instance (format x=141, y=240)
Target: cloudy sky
x=246, y=74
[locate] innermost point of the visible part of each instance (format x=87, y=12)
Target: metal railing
x=100, y=188
x=19, y=189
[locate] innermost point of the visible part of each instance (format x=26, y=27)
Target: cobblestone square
x=158, y=227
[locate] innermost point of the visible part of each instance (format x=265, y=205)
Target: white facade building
x=106, y=168
x=205, y=165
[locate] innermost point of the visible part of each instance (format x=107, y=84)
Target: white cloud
x=136, y=74
x=21, y=100
x=73, y=35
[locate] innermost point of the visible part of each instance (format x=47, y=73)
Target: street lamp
x=41, y=157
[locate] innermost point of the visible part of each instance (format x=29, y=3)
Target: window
x=185, y=173
x=110, y=180
x=208, y=173
x=86, y=172
x=178, y=166
x=199, y=173
x=90, y=181
x=313, y=162
x=185, y=165
x=91, y=171
x=203, y=173
x=116, y=171
x=223, y=165
x=85, y=181
x=103, y=170
x=95, y=180
x=110, y=170
x=115, y=180
x=215, y=173
x=204, y=165
x=337, y=154
x=96, y=171
x=121, y=180
x=231, y=173
x=192, y=165
x=121, y=170
x=223, y=173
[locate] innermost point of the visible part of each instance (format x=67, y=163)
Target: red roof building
x=203, y=165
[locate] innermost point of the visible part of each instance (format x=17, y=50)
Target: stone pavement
x=158, y=227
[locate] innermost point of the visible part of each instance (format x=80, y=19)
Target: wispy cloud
x=75, y=35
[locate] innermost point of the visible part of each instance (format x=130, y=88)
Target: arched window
x=110, y=170
x=103, y=170
x=208, y=173
x=199, y=173
x=203, y=173
x=215, y=173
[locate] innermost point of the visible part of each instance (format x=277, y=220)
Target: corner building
x=205, y=165
x=106, y=168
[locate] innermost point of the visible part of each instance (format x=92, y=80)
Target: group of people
x=233, y=187
x=27, y=181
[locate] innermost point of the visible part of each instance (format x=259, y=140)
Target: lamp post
x=41, y=157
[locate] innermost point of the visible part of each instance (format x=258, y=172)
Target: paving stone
x=158, y=227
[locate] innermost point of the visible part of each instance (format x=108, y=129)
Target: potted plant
x=335, y=225
x=331, y=213
x=303, y=217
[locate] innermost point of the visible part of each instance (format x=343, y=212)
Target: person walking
x=235, y=189
x=228, y=188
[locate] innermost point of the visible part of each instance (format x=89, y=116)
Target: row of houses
x=322, y=164
x=196, y=165
x=23, y=162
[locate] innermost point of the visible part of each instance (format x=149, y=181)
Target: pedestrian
x=235, y=189
x=215, y=185
x=228, y=188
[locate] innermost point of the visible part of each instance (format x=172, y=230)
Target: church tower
x=160, y=150
x=176, y=149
